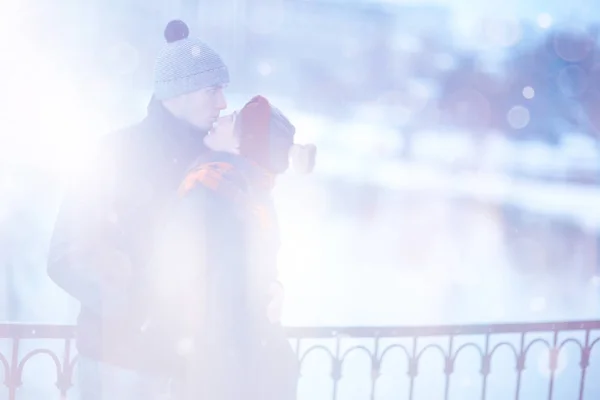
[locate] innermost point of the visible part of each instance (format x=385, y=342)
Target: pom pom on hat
x=176, y=30
x=186, y=64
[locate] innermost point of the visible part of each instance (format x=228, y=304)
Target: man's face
x=202, y=108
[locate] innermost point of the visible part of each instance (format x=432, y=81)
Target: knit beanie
x=186, y=64
x=267, y=138
x=266, y=135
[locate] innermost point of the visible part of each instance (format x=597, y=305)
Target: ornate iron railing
x=520, y=361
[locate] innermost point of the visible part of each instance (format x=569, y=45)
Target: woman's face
x=223, y=136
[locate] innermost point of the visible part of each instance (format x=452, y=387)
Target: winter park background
x=457, y=176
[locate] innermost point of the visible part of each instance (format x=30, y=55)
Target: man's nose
x=221, y=102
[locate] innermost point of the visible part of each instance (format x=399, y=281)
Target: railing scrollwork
x=379, y=346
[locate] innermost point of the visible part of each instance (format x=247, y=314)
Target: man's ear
x=303, y=158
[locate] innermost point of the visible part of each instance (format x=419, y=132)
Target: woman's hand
x=303, y=158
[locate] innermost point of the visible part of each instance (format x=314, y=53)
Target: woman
x=221, y=241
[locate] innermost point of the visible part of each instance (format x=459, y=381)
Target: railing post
x=585, y=362
x=375, y=366
x=336, y=369
x=486, y=365
x=14, y=378
x=449, y=367
x=65, y=378
x=413, y=368
x=520, y=365
x=553, y=364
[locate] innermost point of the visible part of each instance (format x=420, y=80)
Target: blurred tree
x=548, y=88
x=550, y=79
x=469, y=97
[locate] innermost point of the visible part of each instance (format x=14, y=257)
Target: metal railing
x=531, y=361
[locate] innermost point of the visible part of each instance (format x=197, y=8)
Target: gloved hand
x=303, y=158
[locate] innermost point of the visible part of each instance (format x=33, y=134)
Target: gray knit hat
x=186, y=64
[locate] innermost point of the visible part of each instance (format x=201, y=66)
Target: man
x=217, y=253
x=102, y=238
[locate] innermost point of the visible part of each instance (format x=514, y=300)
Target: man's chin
x=202, y=126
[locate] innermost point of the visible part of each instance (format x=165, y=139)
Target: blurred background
x=458, y=169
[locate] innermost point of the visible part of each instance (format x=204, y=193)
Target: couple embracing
x=170, y=243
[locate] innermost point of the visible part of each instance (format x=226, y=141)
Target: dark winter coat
x=220, y=243
x=104, y=231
